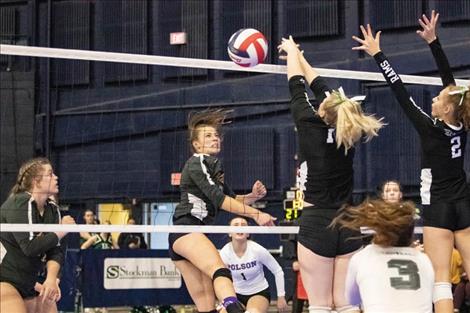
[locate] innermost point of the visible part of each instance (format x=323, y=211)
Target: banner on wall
x=130, y=278
x=140, y=273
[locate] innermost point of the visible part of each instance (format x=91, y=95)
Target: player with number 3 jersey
x=387, y=276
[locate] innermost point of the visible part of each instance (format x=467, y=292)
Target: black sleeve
x=301, y=108
x=442, y=63
x=197, y=170
x=30, y=245
x=319, y=88
x=228, y=191
x=421, y=121
x=55, y=254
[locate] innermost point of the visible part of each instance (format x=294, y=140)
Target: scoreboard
x=293, y=204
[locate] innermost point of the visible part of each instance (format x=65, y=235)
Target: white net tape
x=157, y=229
x=202, y=63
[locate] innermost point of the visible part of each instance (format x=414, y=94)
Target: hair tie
x=461, y=91
x=342, y=96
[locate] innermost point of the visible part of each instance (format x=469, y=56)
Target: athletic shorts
x=245, y=298
x=26, y=291
x=453, y=215
x=184, y=220
x=315, y=235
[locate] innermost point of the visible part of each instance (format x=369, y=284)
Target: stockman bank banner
x=140, y=273
x=115, y=277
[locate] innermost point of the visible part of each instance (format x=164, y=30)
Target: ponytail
x=350, y=121
x=460, y=97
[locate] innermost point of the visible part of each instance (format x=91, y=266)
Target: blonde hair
x=461, y=106
x=393, y=223
x=350, y=121
x=28, y=173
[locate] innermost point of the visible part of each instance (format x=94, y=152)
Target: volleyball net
x=114, y=126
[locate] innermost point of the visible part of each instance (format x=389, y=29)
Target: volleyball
x=247, y=47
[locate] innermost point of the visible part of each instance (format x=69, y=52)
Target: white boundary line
x=201, y=63
x=208, y=229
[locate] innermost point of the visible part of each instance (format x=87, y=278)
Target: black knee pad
x=222, y=272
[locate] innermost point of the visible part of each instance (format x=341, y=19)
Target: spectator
x=131, y=240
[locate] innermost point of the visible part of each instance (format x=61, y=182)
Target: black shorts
x=26, y=291
x=453, y=215
x=315, y=235
x=184, y=220
x=264, y=293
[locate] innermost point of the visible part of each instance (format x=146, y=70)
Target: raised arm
x=371, y=45
x=298, y=71
x=294, y=66
x=428, y=33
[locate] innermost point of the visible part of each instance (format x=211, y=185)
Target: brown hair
x=213, y=117
x=29, y=171
x=393, y=223
x=350, y=121
x=461, y=106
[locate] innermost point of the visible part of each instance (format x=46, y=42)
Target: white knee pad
x=319, y=309
x=442, y=291
x=347, y=309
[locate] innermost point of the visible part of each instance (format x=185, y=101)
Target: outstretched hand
x=428, y=33
x=370, y=44
x=287, y=46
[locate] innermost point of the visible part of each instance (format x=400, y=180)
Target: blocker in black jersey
x=329, y=174
x=444, y=190
x=329, y=171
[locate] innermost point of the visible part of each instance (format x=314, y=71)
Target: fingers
x=425, y=19
x=359, y=40
x=423, y=25
x=359, y=48
x=377, y=36
x=58, y=295
x=364, y=32
x=369, y=31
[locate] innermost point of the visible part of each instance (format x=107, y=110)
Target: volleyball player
x=24, y=252
x=390, y=191
x=327, y=133
x=387, y=276
x=445, y=194
x=203, y=193
x=246, y=260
